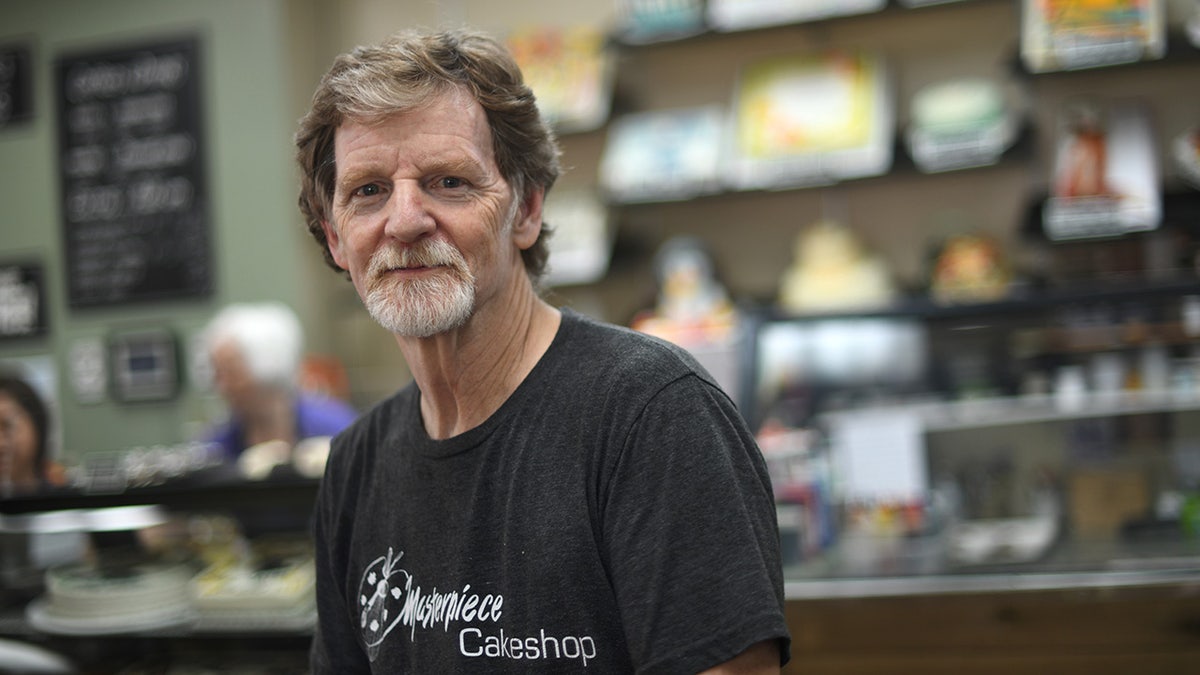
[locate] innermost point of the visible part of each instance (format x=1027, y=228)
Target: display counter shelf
x=1032, y=409
x=858, y=567
x=860, y=604
x=984, y=583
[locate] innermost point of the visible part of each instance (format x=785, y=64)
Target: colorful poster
x=1106, y=180
x=1185, y=154
x=811, y=120
x=1072, y=34
x=959, y=123
x=644, y=21
x=570, y=72
x=663, y=155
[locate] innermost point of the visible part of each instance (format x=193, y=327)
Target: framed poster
x=144, y=365
x=801, y=120
x=660, y=155
x=1106, y=181
x=1069, y=35
x=644, y=21
x=22, y=300
x=582, y=243
x=570, y=71
x=135, y=207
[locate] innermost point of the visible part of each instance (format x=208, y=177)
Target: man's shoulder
x=622, y=351
x=620, y=343
x=383, y=413
x=368, y=428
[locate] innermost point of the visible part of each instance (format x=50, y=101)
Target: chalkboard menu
x=16, y=84
x=134, y=198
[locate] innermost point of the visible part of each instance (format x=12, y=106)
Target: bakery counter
x=206, y=569
x=171, y=649
x=860, y=566
x=865, y=605
x=218, y=487
x=1097, y=607
x=149, y=615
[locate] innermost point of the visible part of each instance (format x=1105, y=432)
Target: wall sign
x=134, y=196
x=22, y=301
x=88, y=370
x=16, y=84
x=145, y=365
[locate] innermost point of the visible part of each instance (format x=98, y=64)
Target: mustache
x=428, y=253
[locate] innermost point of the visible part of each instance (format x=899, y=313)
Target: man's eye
x=369, y=190
x=451, y=182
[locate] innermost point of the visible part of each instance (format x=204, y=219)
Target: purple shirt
x=315, y=416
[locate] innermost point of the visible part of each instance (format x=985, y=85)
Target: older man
x=550, y=493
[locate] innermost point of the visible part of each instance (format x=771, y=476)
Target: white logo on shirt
x=388, y=597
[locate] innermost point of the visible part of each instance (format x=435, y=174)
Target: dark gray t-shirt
x=615, y=514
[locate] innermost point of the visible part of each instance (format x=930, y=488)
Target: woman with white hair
x=255, y=351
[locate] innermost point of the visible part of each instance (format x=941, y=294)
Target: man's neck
x=467, y=374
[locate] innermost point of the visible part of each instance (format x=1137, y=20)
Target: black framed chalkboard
x=135, y=207
x=16, y=84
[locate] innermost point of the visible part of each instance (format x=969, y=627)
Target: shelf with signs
x=1179, y=48
x=648, y=24
x=1018, y=302
x=966, y=156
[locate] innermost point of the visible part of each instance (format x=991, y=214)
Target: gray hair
x=401, y=74
x=268, y=336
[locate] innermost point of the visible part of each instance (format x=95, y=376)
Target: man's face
x=232, y=377
x=422, y=218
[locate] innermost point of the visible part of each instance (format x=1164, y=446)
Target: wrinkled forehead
x=452, y=126
x=446, y=99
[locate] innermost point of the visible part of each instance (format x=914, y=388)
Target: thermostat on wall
x=144, y=365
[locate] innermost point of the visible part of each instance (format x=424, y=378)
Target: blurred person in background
x=26, y=467
x=550, y=493
x=25, y=464
x=255, y=350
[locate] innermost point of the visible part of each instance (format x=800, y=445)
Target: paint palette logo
x=379, y=594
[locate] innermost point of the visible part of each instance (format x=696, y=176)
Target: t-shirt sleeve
x=691, y=534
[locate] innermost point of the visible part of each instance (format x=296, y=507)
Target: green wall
x=260, y=250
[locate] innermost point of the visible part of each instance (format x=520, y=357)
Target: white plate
x=42, y=618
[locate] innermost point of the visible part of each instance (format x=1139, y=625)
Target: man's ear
x=334, y=243
x=529, y=219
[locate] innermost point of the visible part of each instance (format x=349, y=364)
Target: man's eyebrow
x=464, y=165
x=354, y=177
x=450, y=162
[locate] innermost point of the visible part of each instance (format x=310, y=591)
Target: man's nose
x=409, y=217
